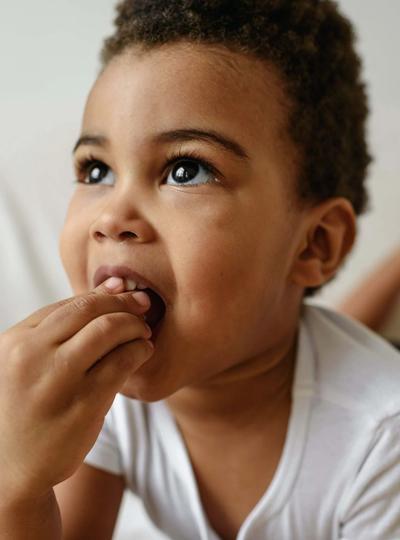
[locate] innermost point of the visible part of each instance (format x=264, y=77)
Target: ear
x=328, y=236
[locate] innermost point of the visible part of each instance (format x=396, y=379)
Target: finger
x=110, y=286
x=33, y=320
x=108, y=376
x=65, y=322
x=95, y=341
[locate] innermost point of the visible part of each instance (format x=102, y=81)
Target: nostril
x=127, y=234
x=98, y=235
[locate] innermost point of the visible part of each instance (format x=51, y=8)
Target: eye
x=191, y=172
x=95, y=172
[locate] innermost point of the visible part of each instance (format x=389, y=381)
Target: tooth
x=130, y=285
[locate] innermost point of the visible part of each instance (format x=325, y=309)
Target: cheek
x=212, y=268
x=231, y=269
x=72, y=246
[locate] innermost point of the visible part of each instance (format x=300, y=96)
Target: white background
x=49, y=51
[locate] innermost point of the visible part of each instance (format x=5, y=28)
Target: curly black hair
x=310, y=43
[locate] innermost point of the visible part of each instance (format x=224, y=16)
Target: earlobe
x=329, y=234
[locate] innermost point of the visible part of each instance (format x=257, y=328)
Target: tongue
x=156, y=311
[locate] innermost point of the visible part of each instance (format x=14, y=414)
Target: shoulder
x=354, y=366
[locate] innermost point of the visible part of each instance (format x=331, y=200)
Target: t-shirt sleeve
x=105, y=453
x=372, y=506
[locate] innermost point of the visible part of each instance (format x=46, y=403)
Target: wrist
x=10, y=502
x=30, y=517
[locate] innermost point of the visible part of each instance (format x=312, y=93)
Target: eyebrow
x=90, y=140
x=213, y=137
x=177, y=135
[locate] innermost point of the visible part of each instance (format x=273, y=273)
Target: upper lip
x=125, y=272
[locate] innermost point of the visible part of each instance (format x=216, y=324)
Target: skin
x=61, y=368
x=53, y=363
x=373, y=299
x=222, y=264
x=232, y=257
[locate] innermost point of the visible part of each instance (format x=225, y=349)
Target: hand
x=60, y=370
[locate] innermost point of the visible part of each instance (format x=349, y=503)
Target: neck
x=239, y=399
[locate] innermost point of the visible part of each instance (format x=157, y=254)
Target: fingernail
x=113, y=283
x=141, y=298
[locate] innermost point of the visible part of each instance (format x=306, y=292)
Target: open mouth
x=156, y=311
x=136, y=282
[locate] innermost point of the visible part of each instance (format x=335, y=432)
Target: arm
x=36, y=519
x=373, y=299
x=89, y=503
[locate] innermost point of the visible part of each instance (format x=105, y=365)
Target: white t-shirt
x=339, y=474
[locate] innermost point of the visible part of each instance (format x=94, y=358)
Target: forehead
x=185, y=85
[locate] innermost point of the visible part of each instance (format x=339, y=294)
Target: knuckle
x=62, y=360
x=62, y=303
x=104, y=325
x=125, y=301
x=84, y=303
x=18, y=351
x=6, y=343
x=129, y=302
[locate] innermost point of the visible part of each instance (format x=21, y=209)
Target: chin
x=145, y=389
x=144, y=395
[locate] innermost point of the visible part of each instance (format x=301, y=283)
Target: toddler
x=220, y=172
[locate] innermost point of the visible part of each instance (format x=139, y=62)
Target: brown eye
x=186, y=171
x=96, y=172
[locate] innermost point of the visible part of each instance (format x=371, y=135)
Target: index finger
x=111, y=286
x=71, y=318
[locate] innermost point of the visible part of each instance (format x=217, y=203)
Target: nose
x=120, y=220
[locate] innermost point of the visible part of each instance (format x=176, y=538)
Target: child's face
x=218, y=245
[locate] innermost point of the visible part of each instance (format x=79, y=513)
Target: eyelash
x=83, y=165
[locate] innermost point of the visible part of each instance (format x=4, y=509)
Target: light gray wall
x=48, y=61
